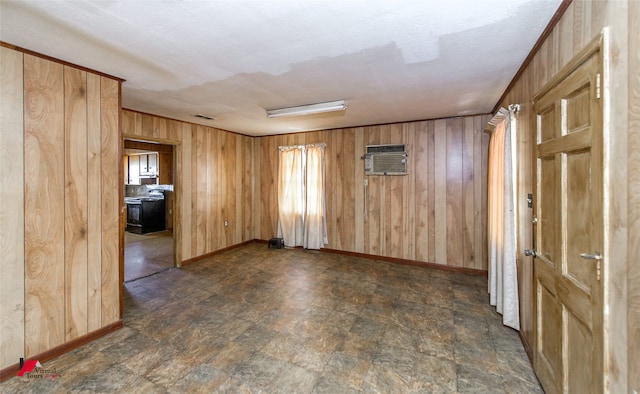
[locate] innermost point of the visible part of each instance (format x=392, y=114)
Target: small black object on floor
x=276, y=243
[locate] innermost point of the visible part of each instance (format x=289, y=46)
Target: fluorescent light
x=206, y=117
x=317, y=108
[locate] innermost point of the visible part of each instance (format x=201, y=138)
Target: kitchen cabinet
x=149, y=164
x=134, y=169
x=142, y=168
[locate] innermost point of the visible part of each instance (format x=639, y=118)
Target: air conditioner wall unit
x=385, y=160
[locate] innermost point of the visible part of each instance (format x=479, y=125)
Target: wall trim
x=56, y=60
x=13, y=370
x=400, y=122
x=536, y=47
x=215, y=252
x=184, y=121
x=397, y=260
x=527, y=347
x=415, y=263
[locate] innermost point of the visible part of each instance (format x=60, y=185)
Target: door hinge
x=598, y=269
x=598, y=86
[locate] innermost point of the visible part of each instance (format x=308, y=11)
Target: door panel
x=568, y=309
x=579, y=226
x=547, y=122
x=577, y=108
x=547, y=215
x=548, y=343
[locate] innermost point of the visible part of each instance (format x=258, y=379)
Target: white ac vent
x=385, y=160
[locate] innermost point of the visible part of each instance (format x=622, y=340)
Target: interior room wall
x=435, y=214
x=581, y=22
x=60, y=223
x=213, y=182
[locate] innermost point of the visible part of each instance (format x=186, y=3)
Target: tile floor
x=147, y=254
x=257, y=320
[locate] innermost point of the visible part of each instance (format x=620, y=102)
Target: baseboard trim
x=527, y=347
x=398, y=260
x=13, y=370
x=204, y=256
x=408, y=262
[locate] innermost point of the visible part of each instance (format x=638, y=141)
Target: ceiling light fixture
x=310, y=109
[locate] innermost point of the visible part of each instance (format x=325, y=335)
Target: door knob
x=530, y=252
x=534, y=220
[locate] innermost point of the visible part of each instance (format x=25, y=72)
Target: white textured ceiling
x=391, y=60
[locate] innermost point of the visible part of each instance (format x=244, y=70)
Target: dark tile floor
x=292, y=321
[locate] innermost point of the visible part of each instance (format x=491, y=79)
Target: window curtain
x=301, y=196
x=503, y=275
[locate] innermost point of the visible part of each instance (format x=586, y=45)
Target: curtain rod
x=319, y=144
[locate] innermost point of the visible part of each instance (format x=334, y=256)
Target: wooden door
x=568, y=351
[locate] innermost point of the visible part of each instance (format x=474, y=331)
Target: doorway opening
x=149, y=199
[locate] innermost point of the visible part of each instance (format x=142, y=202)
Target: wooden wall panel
x=358, y=173
x=633, y=253
x=61, y=122
x=395, y=200
x=405, y=216
x=468, y=190
x=111, y=155
x=94, y=204
x=431, y=191
x=478, y=212
x=422, y=171
x=211, y=190
x=454, y=192
x=246, y=154
x=347, y=187
x=373, y=224
x=213, y=181
x=193, y=210
x=440, y=190
x=75, y=202
x=237, y=212
x=44, y=204
x=201, y=192
x=12, y=291
x=409, y=203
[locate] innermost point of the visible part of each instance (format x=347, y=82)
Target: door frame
x=600, y=43
x=177, y=201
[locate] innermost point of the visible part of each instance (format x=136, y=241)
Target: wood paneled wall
x=213, y=181
x=581, y=22
x=436, y=214
x=11, y=208
x=633, y=253
x=60, y=204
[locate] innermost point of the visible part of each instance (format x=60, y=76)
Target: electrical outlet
x=226, y=223
x=366, y=182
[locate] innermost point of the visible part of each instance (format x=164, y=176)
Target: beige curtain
x=301, y=196
x=503, y=277
x=315, y=223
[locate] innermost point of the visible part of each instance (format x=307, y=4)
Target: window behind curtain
x=301, y=196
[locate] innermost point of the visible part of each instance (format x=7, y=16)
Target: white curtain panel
x=291, y=196
x=315, y=223
x=503, y=275
x=301, y=196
